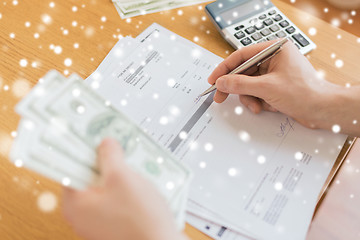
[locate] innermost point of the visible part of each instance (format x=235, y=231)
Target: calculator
x=246, y=22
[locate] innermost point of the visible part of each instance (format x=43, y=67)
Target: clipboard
x=335, y=169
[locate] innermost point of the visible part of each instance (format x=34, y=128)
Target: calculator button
x=253, y=21
x=297, y=45
x=268, y=22
x=272, y=12
x=256, y=36
x=239, y=35
x=274, y=28
x=262, y=16
x=262, y=40
x=300, y=39
x=281, y=34
x=250, y=30
x=272, y=37
x=290, y=30
x=265, y=32
x=246, y=41
x=284, y=23
x=259, y=26
x=277, y=17
x=239, y=27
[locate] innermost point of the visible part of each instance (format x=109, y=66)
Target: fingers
x=256, y=86
x=236, y=58
x=252, y=103
x=69, y=197
x=219, y=96
x=268, y=107
x=110, y=157
x=256, y=105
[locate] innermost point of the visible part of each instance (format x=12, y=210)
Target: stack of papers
x=127, y=8
x=64, y=120
x=255, y=176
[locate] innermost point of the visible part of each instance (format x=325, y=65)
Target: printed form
x=259, y=175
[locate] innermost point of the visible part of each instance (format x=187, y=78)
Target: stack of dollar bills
x=63, y=122
x=129, y=8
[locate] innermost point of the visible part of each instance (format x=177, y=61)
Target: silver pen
x=256, y=60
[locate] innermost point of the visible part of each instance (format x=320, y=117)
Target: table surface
x=31, y=30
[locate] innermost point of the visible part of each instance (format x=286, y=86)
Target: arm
x=288, y=83
x=123, y=206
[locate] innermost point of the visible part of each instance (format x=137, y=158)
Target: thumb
x=256, y=86
x=110, y=157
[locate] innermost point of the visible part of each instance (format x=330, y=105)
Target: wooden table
x=36, y=36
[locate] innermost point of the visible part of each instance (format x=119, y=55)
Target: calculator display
x=242, y=11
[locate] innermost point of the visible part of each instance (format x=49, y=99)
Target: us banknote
x=63, y=122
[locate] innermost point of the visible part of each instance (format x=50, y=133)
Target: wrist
x=339, y=108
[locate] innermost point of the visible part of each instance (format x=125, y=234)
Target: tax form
x=257, y=174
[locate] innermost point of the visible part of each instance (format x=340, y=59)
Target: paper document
x=259, y=174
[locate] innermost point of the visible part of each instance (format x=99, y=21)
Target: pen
x=257, y=60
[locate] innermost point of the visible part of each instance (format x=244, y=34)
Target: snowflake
x=208, y=147
x=18, y=163
x=20, y=88
x=244, y=136
x=238, y=110
x=339, y=63
x=170, y=185
x=46, y=19
x=68, y=62
x=23, y=62
x=66, y=181
x=47, y=201
x=312, y=31
x=202, y=164
x=261, y=159
x=335, y=22
x=164, y=120
x=278, y=186
x=57, y=49
x=232, y=172
x=336, y=128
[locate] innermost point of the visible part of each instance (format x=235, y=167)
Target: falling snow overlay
x=75, y=36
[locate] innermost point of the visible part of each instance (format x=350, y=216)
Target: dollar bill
x=137, y=8
x=64, y=120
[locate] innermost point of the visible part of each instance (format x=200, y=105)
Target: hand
x=287, y=83
x=124, y=206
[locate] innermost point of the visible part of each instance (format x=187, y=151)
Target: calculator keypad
x=278, y=17
x=300, y=39
x=284, y=23
x=250, y=30
x=268, y=22
x=246, y=41
x=274, y=28
x=268, y=26
x=240, y=35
